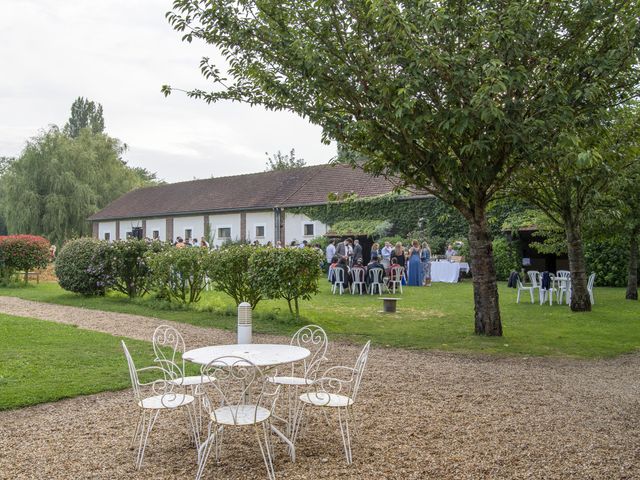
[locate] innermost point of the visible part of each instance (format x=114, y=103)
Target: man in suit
x=357, y=251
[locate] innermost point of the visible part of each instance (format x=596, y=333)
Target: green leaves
x=179, y=274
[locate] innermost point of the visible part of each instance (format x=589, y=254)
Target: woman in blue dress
x=415, y=265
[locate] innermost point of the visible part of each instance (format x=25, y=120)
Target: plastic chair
x=338, y=281
x=357, y=277
x=376, y=276
x=395, y=279
x=337, y=389
x=590, y=283
x=534, y=278
x=522, y=288
x=161, y=397
x=234, y=397
x=548, y=293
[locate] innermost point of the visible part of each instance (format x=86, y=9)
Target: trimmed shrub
x=179, y=273
x=82, y=266
x=289, y=273
x=228, y=269
x=506, y=258
x=127, y=261
x=22, y=253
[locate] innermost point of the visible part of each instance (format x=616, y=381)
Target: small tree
x=228, y=269
x=128, y=263
x=83, y=266
x=179, y=273
x=280, y=161
x=22, y=253
x=84, y=114
x=289, y=273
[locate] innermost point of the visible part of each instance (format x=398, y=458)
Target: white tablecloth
x=445, y=272
x=464, y=267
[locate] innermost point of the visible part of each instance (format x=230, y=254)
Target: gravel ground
x=421, y=414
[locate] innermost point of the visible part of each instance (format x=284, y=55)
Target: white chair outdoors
x=563, y=274
x=534, y=278
x=168, y=347
x=522, y=288
x=548, y=293
x=314, y=339
x=330, y=272
x=234, y=396
x=338, y=281
x=357, y=276
x=161, y=397
x=376, y=280
x=590, y=283
x=395, y=279
x=337, y=389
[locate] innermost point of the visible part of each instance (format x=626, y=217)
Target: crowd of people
x=413, y=264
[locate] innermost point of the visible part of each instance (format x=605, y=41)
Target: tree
x=228, y=269
x=59, y=181
x=280, y=161
x=84, y=114
x=447, y=97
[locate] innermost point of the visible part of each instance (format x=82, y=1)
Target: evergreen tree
x=84, y=114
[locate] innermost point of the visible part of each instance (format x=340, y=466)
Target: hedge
x=22, y=253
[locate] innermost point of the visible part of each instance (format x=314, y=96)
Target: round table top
x=260, y=354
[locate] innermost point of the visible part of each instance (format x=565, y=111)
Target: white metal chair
x=337, y=389
x=168, y=347
x=338, y=281
x=395, y=279
x=357, y=281
x=590, y=283
x=376, y=282
x=235, y=396
x=161, y=397
x=313, y=338
x=522, y=288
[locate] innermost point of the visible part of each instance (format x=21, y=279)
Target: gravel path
x=422, y=415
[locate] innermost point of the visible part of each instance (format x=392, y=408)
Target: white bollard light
x=244, y=323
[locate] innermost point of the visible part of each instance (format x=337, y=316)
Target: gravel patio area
x=422, y=415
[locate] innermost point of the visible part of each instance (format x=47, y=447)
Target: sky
x=119, y=53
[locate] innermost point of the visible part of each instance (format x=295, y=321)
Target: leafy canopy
x=84, y=114
x=280, y=161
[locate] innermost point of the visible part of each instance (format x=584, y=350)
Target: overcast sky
x=119, y=53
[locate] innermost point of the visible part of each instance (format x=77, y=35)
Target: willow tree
x=446, y=96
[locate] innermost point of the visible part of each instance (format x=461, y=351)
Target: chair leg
x=137, y=431
x=518, y=297
x=531, y=292
x=264, y=449
x=344, y=430
x=298, y=422
x=144, y=434
x=205, y=450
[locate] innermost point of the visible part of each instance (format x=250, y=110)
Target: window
x=107, y=236
x=156, y=234
x=224, y=232
x=260, y=231
x=308, y=229
x=187, y=234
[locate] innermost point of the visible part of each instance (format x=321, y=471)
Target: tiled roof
x=285, y=188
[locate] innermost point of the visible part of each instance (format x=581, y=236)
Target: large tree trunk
x=580, y=301
x=485, y=287
x=632, y=268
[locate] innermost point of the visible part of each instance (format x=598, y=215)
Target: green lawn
x=44, y=361
x=439, y=317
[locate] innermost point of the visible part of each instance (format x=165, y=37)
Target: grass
x=439, y=317
x=44, y=361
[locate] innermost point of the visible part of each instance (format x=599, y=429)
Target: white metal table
x=262, y=355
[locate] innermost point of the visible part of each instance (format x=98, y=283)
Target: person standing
x=330, y=251
x=357, y=252
x=341, y=249
x=415, y=265
x=425, y=258
x=386, y=252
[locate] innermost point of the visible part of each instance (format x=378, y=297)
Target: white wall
x=107, y=227
x=229, y=220
x=159, y=224
x=195, y=224
x=294, y=228
x=265, y=219
x=127, y=226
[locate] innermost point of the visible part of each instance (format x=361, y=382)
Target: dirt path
x=422, y=415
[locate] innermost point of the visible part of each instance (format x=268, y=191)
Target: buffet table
x=447, y=272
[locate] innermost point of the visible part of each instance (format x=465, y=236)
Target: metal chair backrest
x=313, y=338
x=232, y=381
x=361, y=362
x=133, y=373
x=168, y=346
x=534, y=278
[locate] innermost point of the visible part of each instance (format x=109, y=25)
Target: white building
x=243, y=207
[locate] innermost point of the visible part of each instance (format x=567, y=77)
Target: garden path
x=422, y=415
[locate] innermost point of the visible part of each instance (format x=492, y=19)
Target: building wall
x=294, y=228
x=265, y=219
x=127, y=226
x=195, y=224
x=159, y=224
x=107, y=227
x=228, y=220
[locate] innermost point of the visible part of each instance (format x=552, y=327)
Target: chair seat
x=190, y=381
x=322, y=399
x=240, y=415
x=297, y=381
x=169, y=400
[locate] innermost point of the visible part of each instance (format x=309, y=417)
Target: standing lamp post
x=244, y=323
